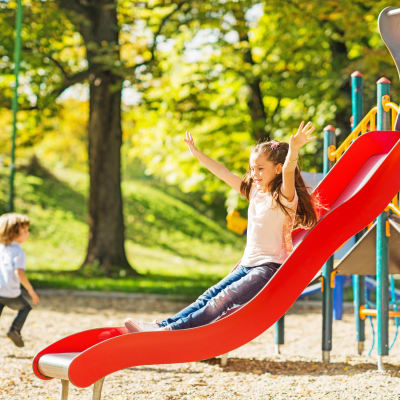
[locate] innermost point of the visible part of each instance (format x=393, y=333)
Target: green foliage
x=65, y=143
x=303, y=52
x=192, y=65
x=169, y=224
x=51, y=51
x=176, y=249
x=58, y=217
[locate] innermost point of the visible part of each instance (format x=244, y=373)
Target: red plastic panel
x=355, y=191
x=77, y=342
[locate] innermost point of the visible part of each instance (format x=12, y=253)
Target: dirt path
x=253, y=371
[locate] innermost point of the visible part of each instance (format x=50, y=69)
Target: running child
x=14, y=230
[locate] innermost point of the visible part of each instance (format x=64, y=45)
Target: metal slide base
x=56, y=366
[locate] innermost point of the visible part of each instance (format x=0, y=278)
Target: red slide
x=355, y=192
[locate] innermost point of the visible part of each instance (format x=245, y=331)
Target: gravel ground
x=253, y=371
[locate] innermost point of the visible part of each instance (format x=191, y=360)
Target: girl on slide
x=278, y=202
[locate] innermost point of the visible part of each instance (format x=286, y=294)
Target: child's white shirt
x=12, y=257
x=269, y=229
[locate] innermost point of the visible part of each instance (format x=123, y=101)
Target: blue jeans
x=236, y=289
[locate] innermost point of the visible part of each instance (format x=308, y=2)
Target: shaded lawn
x=175, y=248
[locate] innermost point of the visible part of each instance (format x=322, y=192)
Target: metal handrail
x=362, y=127
x=395, y=204
x=387, y=106
x=334, y=154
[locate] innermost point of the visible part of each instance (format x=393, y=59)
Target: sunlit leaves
x=303, y=52
x=51, y=49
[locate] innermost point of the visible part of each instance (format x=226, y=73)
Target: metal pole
x=329, y=144
x=279, y=334
x=356, y=97
x=358, y=301
x=358, y=281
x=17, y=62
x=383, y=123
x=327, y=298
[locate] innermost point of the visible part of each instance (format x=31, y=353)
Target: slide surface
x=354, y=192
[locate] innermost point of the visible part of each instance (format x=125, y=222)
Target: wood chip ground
x=253, y=371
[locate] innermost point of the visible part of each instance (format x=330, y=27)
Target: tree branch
x=160, y=27
x=69, y=81
x=74, y=5
x=50, y=57
x=72, y=80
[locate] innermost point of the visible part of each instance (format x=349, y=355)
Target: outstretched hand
x=302, y=136
x=190, y=142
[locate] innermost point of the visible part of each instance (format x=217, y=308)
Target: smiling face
x=263, y=171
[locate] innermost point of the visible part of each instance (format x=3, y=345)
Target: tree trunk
x=98, y=24
x=257, y=110
x=106, y=237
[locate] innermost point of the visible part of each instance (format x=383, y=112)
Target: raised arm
x=219, y=170
x=288, y=171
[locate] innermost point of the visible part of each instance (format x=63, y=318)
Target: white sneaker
x=141, y=326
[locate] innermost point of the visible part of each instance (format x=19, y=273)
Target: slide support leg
x=64, y=389
x=97, y=387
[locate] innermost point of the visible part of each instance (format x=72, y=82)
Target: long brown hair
x=306, y=216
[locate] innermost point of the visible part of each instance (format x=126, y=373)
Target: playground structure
x=368, y=258
x=357, y=258
x=364, y=255
x=370, y=163
x=349, y=190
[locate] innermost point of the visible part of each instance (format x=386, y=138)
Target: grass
x=176, y=249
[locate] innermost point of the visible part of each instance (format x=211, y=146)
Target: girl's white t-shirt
x=269, y=229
